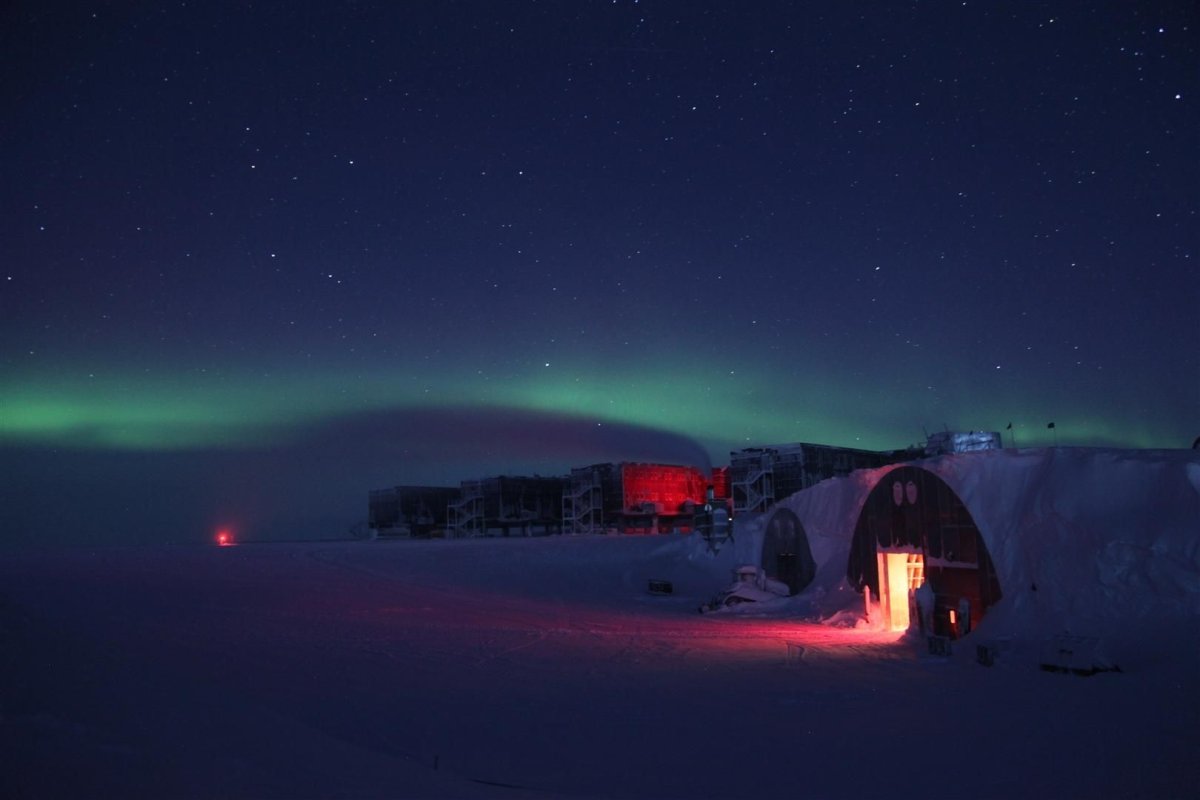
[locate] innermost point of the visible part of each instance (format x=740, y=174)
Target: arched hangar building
x=1049, y=539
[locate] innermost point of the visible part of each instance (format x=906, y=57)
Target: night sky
x=268, y=256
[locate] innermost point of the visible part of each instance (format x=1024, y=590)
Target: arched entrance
x=786, y=556
x=914, y=530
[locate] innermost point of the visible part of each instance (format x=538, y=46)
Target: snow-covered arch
x=1097, y=542
x=914, y=529
x=786, y=555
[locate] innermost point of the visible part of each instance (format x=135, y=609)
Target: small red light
x=224, y=539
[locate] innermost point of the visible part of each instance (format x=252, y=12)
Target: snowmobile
x=750, y=585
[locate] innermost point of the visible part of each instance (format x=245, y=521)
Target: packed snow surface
x=544, y=668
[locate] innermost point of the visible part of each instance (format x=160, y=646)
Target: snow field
x=526, y=668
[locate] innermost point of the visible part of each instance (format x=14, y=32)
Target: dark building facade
x=418, y=511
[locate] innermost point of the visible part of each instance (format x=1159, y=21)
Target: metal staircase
x=755, y=492
x=583, y=508
x=465, y=518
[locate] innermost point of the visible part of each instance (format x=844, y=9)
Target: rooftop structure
x=945, y=442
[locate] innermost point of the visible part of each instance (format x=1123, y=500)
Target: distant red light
x=224, y=539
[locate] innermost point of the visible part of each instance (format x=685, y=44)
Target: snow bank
x=1099, y=543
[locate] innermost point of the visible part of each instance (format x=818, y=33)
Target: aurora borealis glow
x=229, y=230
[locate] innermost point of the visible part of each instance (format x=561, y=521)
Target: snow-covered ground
x=543, y=668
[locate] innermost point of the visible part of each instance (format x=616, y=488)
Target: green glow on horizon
x=167, y=414
x=722, y=410
x=736, y=410
x=149, y=422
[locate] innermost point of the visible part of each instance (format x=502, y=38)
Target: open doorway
x=900, y=574
x=914, y=530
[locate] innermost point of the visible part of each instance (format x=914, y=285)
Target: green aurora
x=723, y=411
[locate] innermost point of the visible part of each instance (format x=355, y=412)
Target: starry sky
x=250, y=250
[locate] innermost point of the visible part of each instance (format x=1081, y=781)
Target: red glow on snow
x=224, y=538
x=658, y=639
